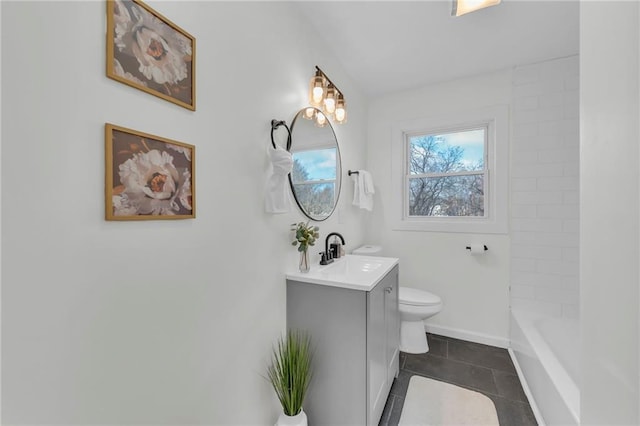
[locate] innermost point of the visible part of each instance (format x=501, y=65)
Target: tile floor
x=485, y=369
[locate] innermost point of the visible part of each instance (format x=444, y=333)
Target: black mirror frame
x=298, y=115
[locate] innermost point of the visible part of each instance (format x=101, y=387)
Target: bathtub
x=546, y=354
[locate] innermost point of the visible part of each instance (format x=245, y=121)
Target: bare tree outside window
x=446, y=175
x=314, y=190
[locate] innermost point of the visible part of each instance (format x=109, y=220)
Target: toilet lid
x=415, y=297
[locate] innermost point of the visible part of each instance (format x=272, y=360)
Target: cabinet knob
x=388, y=289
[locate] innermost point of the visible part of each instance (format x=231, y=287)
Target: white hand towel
x=368, y=182
x=276, y=195
x=356, y=188
x=361, y=198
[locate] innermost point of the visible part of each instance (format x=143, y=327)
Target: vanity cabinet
x=355, y=336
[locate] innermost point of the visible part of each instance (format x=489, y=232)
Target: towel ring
x=274, y=125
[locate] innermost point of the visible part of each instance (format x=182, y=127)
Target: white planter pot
x=299, y=419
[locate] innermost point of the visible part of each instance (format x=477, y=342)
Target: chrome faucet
x=327, y=257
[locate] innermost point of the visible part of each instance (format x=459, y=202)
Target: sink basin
x=350, y=265
x=350, y=271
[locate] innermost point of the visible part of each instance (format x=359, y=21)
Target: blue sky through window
x=471, y=141
x=320, y=164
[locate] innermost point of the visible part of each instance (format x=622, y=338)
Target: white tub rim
x=566, y=387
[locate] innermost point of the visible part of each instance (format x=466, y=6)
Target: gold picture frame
x=147, y=51
x=147, y=177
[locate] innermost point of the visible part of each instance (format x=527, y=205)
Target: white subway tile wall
x=544, y=188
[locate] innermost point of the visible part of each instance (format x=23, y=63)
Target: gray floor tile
x=452, y=371
x=392, y=411
x=482, y=355
x=513, y=413
x=509, y=386
x=437, y=345
x=401, y=383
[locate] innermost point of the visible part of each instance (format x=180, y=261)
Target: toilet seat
x=416, y=297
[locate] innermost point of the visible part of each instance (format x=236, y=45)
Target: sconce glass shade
x=330, y=100
x=309, y=113
x=316, y=90
x=321, y=119
x=341, y=110
x=461, y=7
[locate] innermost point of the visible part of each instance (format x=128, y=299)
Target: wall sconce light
x=341, y=111
x=321, y=119
x=309, y=113
x=461, y=7
x=325, y=95
x=316, y=89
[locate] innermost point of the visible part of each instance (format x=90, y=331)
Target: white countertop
x=350, y=271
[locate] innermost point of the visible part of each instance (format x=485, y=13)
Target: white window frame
x=484, y=172
x=495, y=221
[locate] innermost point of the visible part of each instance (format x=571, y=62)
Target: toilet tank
x=368, y=250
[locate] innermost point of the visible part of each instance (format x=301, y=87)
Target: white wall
x=155, y=322
x=474, y=288
x=544, y=188
x=609, y=202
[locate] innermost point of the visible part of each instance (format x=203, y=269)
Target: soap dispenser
x=336, y=248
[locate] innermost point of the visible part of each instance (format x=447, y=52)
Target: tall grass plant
x=290, y=370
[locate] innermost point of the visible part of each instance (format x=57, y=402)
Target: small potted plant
x=305, y=236
x=290, y=375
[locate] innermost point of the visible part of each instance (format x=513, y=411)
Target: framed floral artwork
x=147, y=176
x=147, y=51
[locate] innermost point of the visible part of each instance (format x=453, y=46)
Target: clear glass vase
x=304, y=261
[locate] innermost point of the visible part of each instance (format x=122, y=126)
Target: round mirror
x=315, y=178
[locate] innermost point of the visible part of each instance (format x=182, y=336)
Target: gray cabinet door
x=376, y=353
x=383, y=341
x=336, y=319
x=392, y=321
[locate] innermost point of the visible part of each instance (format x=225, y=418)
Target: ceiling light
x=461, y=7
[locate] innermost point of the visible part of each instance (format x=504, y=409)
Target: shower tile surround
x=545, y=188
x=482, y=368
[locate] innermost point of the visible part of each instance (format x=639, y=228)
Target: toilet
x=415, y=306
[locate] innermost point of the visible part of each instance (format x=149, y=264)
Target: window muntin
x=446, y=174
x=314, y=178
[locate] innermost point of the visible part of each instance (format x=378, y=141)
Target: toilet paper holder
x=485, y=247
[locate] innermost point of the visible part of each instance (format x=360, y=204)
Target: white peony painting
x=148, y=177
x=147, y=51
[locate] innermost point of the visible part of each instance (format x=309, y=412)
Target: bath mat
x=433, y=403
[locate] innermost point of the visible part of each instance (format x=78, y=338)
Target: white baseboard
x=469, y=336
x=527, y=391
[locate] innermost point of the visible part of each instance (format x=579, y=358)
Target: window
x=314, y=179
x=451, y=173
x=446, y=173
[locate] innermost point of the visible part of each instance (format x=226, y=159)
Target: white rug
x=433, y=403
